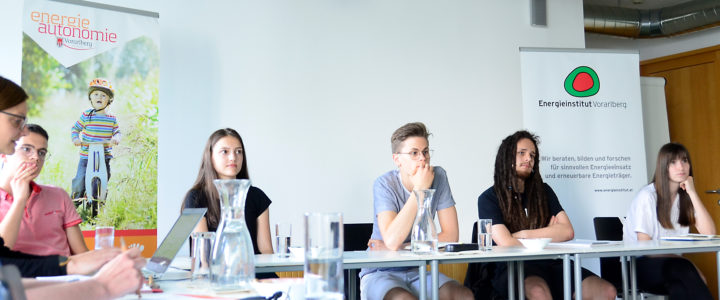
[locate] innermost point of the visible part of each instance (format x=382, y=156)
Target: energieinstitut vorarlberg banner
x=71, y=49
x=586, y=107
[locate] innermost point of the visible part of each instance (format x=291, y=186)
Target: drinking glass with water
x=484, y=234
x=104, y=237
x=201, y=256
x=323, y=256
x=283, y=231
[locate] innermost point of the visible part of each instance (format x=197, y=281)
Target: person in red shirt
x=118, y=274
x=36, y=219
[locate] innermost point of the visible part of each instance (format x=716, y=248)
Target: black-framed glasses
x=20, y=121
x=415, y=155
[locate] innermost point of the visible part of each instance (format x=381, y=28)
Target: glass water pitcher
x=233, y=259
x=424, y=238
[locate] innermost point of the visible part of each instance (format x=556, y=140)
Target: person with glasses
x=116, y=273
x=12, y=115
x=395, y=209
x=36, y=219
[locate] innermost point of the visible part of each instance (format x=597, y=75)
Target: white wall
x=316, y=89
x=11, y=37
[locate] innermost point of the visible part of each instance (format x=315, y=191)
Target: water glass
x=104, y=237
x=202, y=243
x=283, y=231
x=323, y=256
x=485, y=234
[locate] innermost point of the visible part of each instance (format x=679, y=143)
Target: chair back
x=356, y=236
x=11, y=279
x=610, y=229
x=474, y=233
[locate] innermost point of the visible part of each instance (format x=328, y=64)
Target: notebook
x=179, y=233
x=691, y=237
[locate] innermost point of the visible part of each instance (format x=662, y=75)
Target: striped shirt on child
x=95, y=128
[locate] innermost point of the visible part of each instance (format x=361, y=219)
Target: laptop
x=170, y=246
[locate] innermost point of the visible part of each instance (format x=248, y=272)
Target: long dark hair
x=11, y=94
x=507, y=186
x=667, y=154
x=206, y=175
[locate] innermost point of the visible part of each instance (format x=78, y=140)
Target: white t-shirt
x=642, y=217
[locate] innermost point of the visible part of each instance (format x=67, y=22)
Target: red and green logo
x=582, y=82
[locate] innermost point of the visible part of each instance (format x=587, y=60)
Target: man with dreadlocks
x=395, y=210
x=521, y=205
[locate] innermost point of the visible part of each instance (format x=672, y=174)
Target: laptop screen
x=174, y=240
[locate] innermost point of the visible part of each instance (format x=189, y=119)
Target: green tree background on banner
x=58, y=96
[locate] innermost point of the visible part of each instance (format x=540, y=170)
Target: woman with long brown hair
x=521, y=205
x=668, y=206
x=224, y=157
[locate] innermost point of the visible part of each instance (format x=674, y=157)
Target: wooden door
x=693, y=107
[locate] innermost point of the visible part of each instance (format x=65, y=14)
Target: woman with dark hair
x=13, y=109
x=224, y=157
x=668, y=206
x=521, y=205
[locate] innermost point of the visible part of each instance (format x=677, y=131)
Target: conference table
x=631, y=250
x=352, y=261
x=514, y=256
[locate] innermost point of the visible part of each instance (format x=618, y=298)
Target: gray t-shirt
x=390, y=195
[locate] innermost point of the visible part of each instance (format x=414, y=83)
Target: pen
x=65, y=262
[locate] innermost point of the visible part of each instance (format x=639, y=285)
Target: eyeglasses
x=20, y=121
x=28, y=151
x=415, y=155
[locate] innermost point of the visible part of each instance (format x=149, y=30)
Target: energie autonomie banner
x=67, y=48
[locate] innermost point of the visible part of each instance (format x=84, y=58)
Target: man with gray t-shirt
x=395, y=208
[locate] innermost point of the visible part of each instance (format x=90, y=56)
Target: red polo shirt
x=49, y=211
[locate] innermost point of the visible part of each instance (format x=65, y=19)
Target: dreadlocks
x=508, y=189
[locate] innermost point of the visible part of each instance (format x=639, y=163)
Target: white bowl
x=535, y=244
x=297, y=251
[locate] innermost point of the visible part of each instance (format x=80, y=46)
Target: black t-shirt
x=489, y=208
x=31, y=265
x=255, y=204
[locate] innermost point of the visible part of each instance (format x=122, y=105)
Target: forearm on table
x=558, y=233
x=89, y=289
x=398, y=226
x=502, y=237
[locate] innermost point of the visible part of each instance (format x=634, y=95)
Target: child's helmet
x=104, y=85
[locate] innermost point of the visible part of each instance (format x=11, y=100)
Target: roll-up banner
x=585, y=106
x=103, y=153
